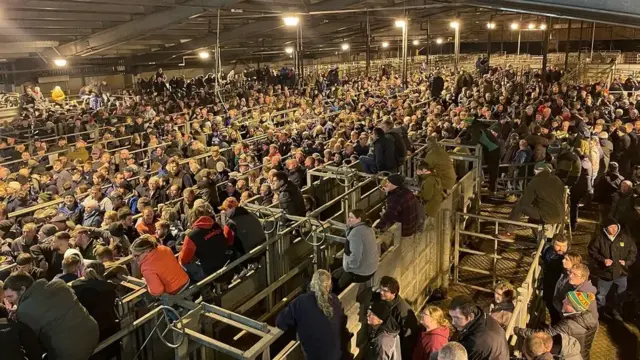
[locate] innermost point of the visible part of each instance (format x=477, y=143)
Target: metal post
x=580, y=43
x=567, y=47
x=456, y=47
x=489, y=30
x=593, y=39
x=405, y=46
x=428, y=42
x=368, y=53
x=519, y=34
x=545, y=50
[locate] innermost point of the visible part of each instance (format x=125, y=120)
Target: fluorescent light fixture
x=385, y=44
x=288, y=50
x=204, y=55
x=454, y=24
x=515, y=26
x=439, y=41
x=345, y=47
x=543, y=26
x=401, y=23
x=491, y=25
x=416, y=42
x=532, y=26
x=60, y=62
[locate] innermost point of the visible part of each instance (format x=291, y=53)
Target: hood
x=204, y=222
x=240, y=211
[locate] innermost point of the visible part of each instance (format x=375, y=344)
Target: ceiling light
x=60, y=62
x=401, y=23
x=491, y=25
x=416, y=42
x=345, y=47
x=532, y=26
x=288, y=50
x=204, y=55
x=291, y=20
x=454, y=24
x=439, y=41
x=385, y=44
x=515, y=26
x=543, y=26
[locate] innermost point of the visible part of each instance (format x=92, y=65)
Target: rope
x=156, y=330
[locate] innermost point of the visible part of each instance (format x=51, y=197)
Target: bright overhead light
x=439, y=41
x=204, y=55
x=401, y=23
x=288, y=50
x=416, y=42
x=454, y=24
x=532, y=26
x=291, y=20
x=385, y=44
x=491, y=25
x=515, y=26
x=345, y=47
x=60, y=62
x=543, y=26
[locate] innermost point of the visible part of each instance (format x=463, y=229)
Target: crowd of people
x=147, y=174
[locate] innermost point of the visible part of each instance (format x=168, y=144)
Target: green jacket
x=545, y=193
x=437, y=157
x=431, y=193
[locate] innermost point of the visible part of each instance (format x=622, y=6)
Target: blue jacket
x=321, y=337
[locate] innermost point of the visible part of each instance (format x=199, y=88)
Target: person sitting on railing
x=438, y=158
x=577, y=322
x=542, y=200
x=245, y=226
x=208, y=242
x=480, y=334
x=383, y=157
x=476, y=132
x=159, y=267
x=401, y=206
x=431, y=191
x=289, y=195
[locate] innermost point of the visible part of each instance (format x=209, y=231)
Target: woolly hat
x=229, y=203
x=542, y=166
x=580, y=301
x=396, y=179
x=381, y=309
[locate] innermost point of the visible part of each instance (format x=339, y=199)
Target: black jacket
x=291, y=201
x=322, y=338
x=17, y=341
x=209, y=192
x=207, y=241
x=298, y=176
x=484, y=338
x=621, y=248
x=384, y=152
x=582, y=326
x=247, y=230
x=404, y=320
x=99, y=298
x=46, y=252
x=399, y=145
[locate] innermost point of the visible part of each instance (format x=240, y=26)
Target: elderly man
x=297, y=174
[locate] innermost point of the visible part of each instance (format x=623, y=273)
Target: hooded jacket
x=431, y=193
x=565, y=347
x=384, y=343
x=582, y=326
x=430, y=342
x=621, y=247
x=484, y=338
x=361, y=251
x=438, y=158
x=64, y=327
x=99, y=298
x=384, y=153
x=247, y=229
x=291, y=200
x=561, y=294
x=544, y=193
x=207, y=242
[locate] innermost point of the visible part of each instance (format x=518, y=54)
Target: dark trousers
x=342, y=279
x=603, y=289
x=492, y=159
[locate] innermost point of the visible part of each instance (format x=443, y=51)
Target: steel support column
x=580, y=42
x=545, y=51
x=489, y=30
x=368, y=52
x=519, y=34
x=428, y=42
x=593, y=39
x=405, y=36
x=567, y=47
x=456, y=47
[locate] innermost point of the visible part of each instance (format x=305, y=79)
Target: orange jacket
x=162, y=272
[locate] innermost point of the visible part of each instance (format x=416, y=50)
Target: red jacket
x=430, y=342
x=207, y=241
x=162, y=272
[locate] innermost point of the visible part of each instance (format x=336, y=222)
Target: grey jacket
x=361, y=252
x=384, y=345
x=566, y=347
x=63, y=325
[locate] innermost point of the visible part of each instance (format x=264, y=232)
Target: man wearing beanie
x=384, y=342
x=402, y=206
x=613, y=252
x=577, y=322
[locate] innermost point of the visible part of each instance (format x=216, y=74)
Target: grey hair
x=452, y=351
x=321, y=287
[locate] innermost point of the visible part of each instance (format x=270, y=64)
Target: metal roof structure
x=170, y=32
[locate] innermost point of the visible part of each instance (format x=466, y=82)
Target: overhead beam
x=134, y=29
x=51, y=24
x=257, y=27
x=11, y=32
x=61, y=15
x=61, y=5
